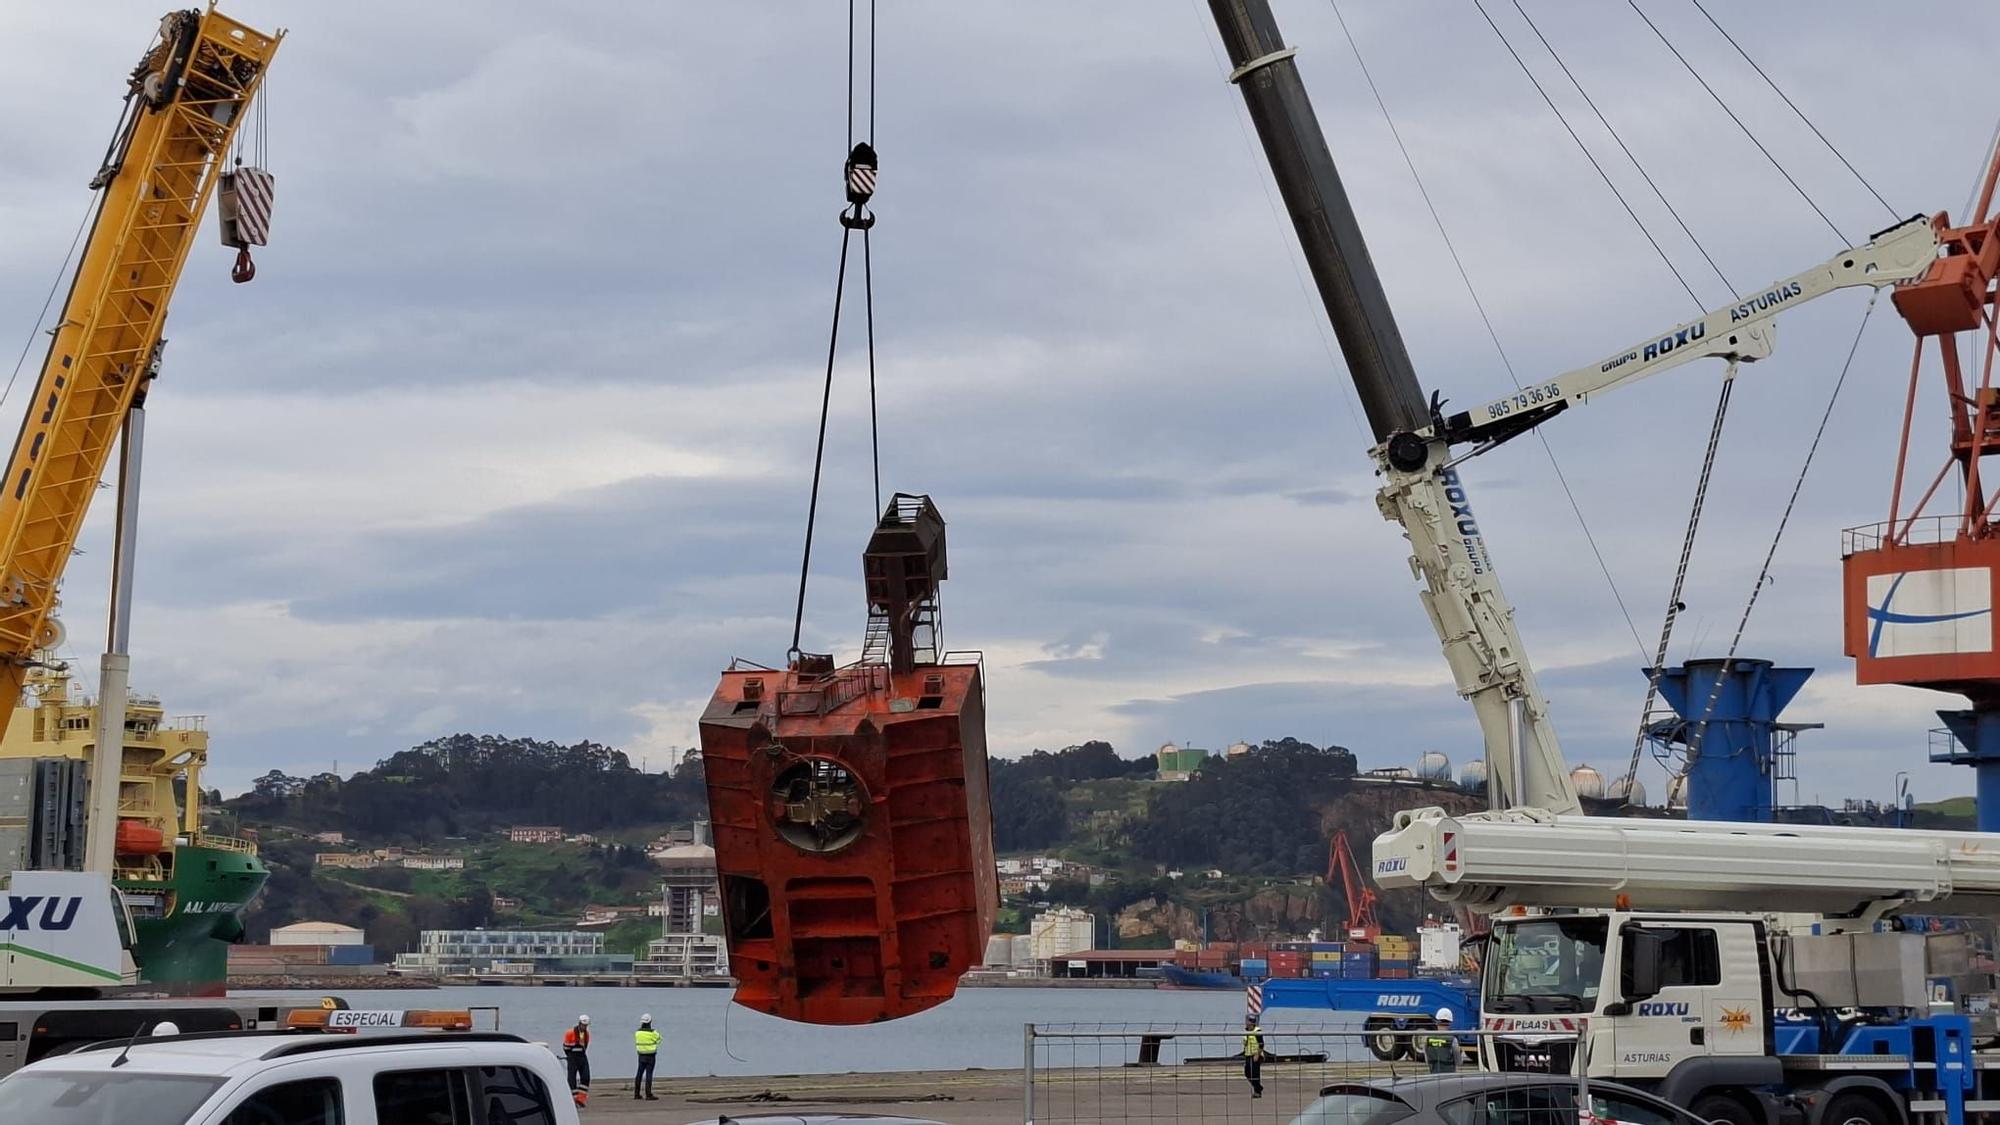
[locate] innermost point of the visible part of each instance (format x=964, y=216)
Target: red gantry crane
x=1363, y=924
x=1920, y=587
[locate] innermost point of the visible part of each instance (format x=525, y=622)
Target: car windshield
x=103, y=1098
x=1354, y=1107
x=1545, y=965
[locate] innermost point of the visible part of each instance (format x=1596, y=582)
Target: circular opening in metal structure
x=817, y=805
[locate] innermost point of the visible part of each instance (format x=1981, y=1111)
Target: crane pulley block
x=853, y=835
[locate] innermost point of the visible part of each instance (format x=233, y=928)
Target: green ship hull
x=182, y=936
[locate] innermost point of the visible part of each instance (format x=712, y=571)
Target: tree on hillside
x=1253, y=814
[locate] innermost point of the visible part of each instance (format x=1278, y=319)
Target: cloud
x=515, y=429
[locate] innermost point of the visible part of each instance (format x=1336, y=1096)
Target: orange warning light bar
x=357, y=1019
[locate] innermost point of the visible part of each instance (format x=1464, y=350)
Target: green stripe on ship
x=44, y=955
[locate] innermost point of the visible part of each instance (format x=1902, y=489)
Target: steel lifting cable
x=1493, y=334
x=1674, y=603
x=1669, y=44
x=1588, y=155
x=1764, y=573
x=1801, y=114
x=859, y=175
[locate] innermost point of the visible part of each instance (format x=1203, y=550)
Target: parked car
x=815, y=1119
x=1484, y=1098
x=280, y=1078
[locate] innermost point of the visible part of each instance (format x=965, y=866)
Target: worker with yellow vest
x=647, y=1042
x=1253, y=1055
x=1441, y=1046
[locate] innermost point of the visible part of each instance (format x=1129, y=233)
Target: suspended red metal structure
x=852, y=834
x=1920, y=587
x=853, y=831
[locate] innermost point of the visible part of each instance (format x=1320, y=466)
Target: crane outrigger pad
x=853, y=835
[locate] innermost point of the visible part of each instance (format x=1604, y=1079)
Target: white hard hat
x=647, y=1018
x=166, y=1027
x=583, y=1019
x=1444, y=1015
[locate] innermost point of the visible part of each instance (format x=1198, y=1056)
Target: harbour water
x=704, y=1034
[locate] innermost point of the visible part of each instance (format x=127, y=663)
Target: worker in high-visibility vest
x=647, y=1042
x=1253, y=1055
x=576, y=1057
x=1441, y=1046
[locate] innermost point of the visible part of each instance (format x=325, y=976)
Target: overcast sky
x=513, y=431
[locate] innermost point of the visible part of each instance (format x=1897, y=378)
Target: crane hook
x=245, y=269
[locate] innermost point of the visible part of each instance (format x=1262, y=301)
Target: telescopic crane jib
x=185, y=103
x=1533, y=848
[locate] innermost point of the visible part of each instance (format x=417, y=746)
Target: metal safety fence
x=1085, y=1074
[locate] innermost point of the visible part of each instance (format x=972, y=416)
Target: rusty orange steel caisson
x=853, y=840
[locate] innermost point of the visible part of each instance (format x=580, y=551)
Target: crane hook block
x=853, y=834
x=245, y=210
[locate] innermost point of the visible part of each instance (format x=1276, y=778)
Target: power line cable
x=1587, y=155
x=1493, y=334
x=1893, y=213
x=1830, y=224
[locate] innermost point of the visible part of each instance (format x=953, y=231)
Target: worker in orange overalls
x=576, y=1055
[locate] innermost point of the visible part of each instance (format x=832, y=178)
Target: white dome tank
x=1677, y=792
x=1238, y=749
x=1473, y=776
x=1588, y=782
x=1434, y=766
x=1630, y=790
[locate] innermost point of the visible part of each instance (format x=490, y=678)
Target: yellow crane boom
x=187, y=97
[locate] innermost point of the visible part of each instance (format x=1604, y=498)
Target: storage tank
x=1000, y=951
x=1432, y=765
x=1677, y=792
x=1024, y=951
x=1588, y=782
x=1473, y=776
x=1628, y=789
x=1060, y=932
x=1238, y=749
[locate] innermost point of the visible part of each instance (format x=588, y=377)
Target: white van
x=280, y=1078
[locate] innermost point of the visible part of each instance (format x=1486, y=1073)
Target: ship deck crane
x=1533, y=847
x=185, y=102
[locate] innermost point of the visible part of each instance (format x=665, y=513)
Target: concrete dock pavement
x=975, y=1097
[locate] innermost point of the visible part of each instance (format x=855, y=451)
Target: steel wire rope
x=62, y=271
x=1657, y=666
x=1764, y=573
x=1622, y=147
x=1830, y=224
x=1479, y=305
x=1893, y=213
x=856, y=217
x=1587, y=154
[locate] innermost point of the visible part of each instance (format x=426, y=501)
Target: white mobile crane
x=1742, y=1015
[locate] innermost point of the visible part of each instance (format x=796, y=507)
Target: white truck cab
x=1648, y=992
x=289, y=1078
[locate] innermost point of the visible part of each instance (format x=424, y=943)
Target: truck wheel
x=1854, y=1109
x=1383, y=1042
x=1721, y=1109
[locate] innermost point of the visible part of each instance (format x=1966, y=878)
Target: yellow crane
x=185, y=102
